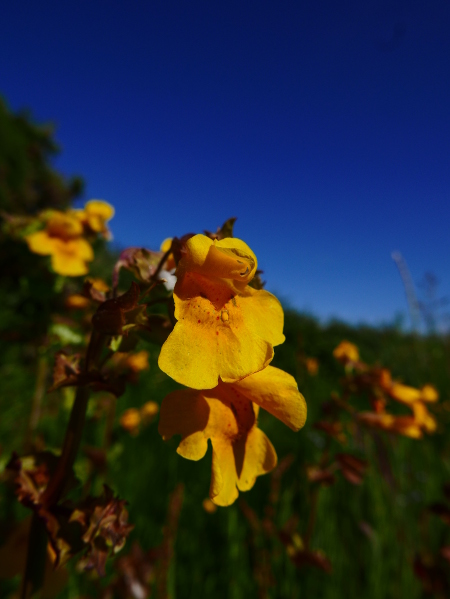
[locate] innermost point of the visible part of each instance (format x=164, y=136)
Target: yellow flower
x=423, y=418
x=404, y=393
x=225, y=328
x=346, y=352
x=98, y=284
x=137, y=361
x=165, y=247
x=95, y=215
x=403, y=425
x=209, y=506
x=61, y=239
x=312, y=366
x=76, y=301
x=227, y=415
x=149, y=411
x=429, y=393
x=130, y=420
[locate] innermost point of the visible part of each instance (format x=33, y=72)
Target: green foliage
x=370, y=533
x=28, y=183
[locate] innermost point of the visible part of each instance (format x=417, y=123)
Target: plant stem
x=42, y=370
x=36, y=555
x=71, y=445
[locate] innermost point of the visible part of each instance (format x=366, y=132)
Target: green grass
x=220, y=554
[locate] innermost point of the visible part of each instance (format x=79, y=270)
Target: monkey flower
x=225, y=328
x=165, y=247
x=62, y=240
x=95, y=215
x=410, y=395
x=409, y=426
x=346, y=353
x=227, y=415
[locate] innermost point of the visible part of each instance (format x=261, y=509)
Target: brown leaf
x=65, y=370
x=226, y=230
x=105, y=527
x=319, y=475
x=352, y=468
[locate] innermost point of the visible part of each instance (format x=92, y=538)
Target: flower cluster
x=221, y=348
x=66, y=236
x=381, y=388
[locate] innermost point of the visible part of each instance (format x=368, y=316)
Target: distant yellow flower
x=165, y=247
x=346, y=352
x=95, y=215
x=130, y=420
x=137, y=361
x=403, y=425
x=209, y=506
x=227, y=415
x=61, y=239
x=312, y=366
x=423, y=418
x=225, y=328
x=410, y=395
x=149, y=411
x=403, y=393
x=409, y=426
x=429, y=393
x=76, y=301
x=98, y=284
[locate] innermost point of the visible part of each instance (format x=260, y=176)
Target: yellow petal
x=264, y=315
x=404, y=393
x=166, y=244
x=130, y=420
x=186, y=413
x=99, y=208
x=41, y=243
x=346, y=352
x=423, y=417
x=229, y=258
x=69, y=266
x=138, y=361
x=429, y=393
x=259, y=458
x=217, y=335
x=69, y=257
x=63, y=225
x=235, y=465
x=77, y=301
x=276, y=392
x=223, y=490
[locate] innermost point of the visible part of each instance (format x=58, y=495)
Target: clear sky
x=324, y=126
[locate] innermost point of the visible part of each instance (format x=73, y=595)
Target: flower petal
x=229, y=258
x=259, y=457
x=186, y=413
x=216, y=334
x=99, y=208
x=69, y=257
x=404, y=393
x=223, y=490
x=263, y=314
x=41, y=243
x=69, y=265
x=276, y=392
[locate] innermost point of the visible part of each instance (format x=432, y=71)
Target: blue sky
x=323, y=126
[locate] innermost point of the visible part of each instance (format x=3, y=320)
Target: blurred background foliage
x=370, y=533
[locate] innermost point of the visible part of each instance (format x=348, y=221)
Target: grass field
x=370, y=532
